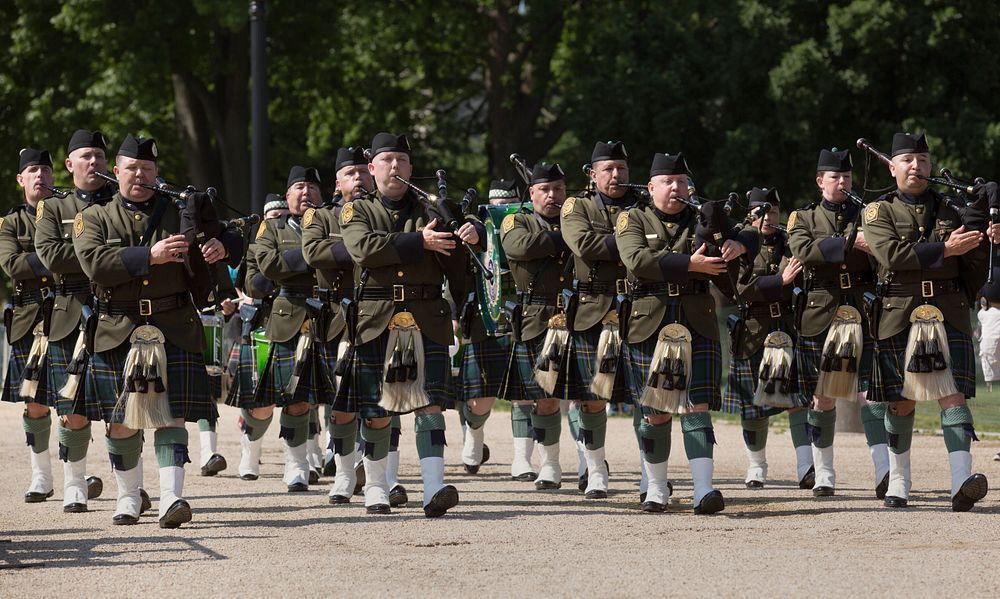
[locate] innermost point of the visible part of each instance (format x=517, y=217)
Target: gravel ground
x=505, y=539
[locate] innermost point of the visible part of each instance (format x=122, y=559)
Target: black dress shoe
x=652, y=507
x=547, y=485
x=75, y=508
x=823, y=492
x=35, y=497
x=398, y=496
x=95, y=486
x=359, y=473
x=249, y=476
x=339, y=499
x=313, y=477
x=379, y=508
x=883, y=487
x=214, y=465
x=144, y=502
x=893, y=501
x=330, y=468
x=525, y=477
x=596, y=494
x=808, y=479
x=445, y=499
x=972, y=490
x=710, y=503
x=471, y=469
x=298, y=488
x=179, y=513
x=755, y=484
x=124, y=520
x=486, y=454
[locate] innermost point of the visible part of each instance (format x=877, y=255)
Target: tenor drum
x=493, y=293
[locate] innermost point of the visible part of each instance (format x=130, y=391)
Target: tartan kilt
x=60, y=354
x=242, y=361
x=277, y=372
x=18, y=359
x=582, y=366
x=887, y=379
x=809, y=354
x=187, y=385
x=706, y=363
x=325, y=387
x=482, y=370
x=741, y=385
x=518, y=383
x=361, y=388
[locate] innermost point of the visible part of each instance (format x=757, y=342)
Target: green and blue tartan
x=518, y=383
x=242, y=361
x=706, y=363
x=483, y=366
x=582, y=363
x=326, y=359
x=187, y=385
x=887, y=380
x=15, y=373
x=741, y=385
x=809, y=354
x=361, y=388
x=59, y=357
x=277, y=371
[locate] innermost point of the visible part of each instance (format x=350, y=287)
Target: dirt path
x=505, y=539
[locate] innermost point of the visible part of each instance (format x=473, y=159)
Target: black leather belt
x=296, y=292
x=144, y=307
x=538, y=300
x=925, y=289
x=402, y=293
x=669, y=289
x=72, y=288
x=603, y=287
x=846, y=280
x=331, y=296
x=26, y=298
x=773, y=310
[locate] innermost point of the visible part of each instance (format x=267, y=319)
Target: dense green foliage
x=750, y=90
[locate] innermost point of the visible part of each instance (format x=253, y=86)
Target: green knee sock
x=314, y=427
x=655, y=441
x=593, y=429
x=699, y=436
x=520, y=420
x=206, y=425
x=36, y=432
x=476, y=421
x=822, y=426
x=873, y=419
x=375, y=442
x=637, y=421
x=171, y=446
x=328, y=416
x=430, y=435
x=546, y=428
x=294, y=429
x=899, y=431
x=956, y=424
x=396, y=431
x=797, y=427
x=253, y=428
x=343, y=437
x=573, y=417
x=125, y=453
x=755, y=433
x=73, y=444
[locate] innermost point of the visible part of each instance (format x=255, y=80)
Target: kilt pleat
x=482, y=370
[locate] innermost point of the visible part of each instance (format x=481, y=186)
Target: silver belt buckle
x=398, y=293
